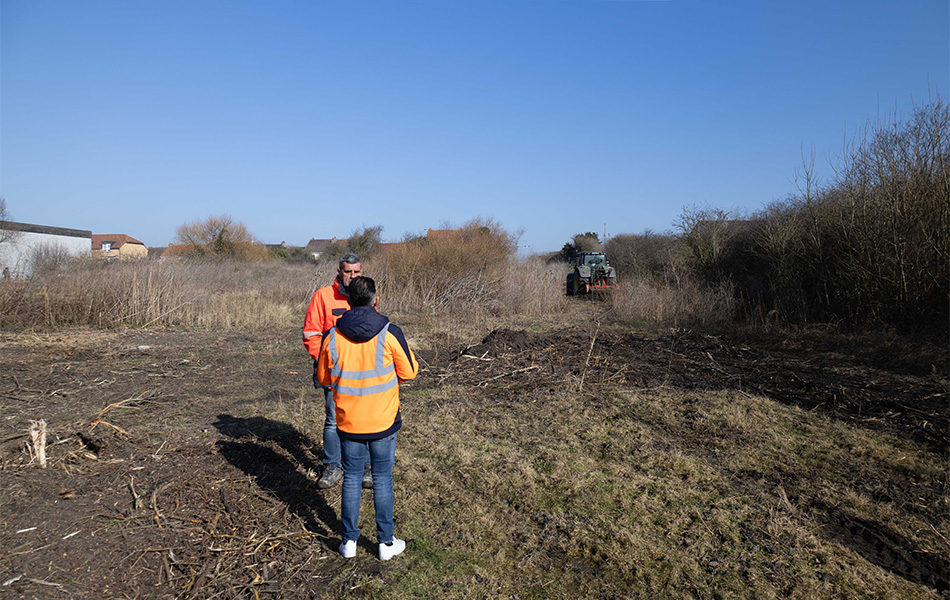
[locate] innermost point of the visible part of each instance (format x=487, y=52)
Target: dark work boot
x=331, y=476
x=367, y=479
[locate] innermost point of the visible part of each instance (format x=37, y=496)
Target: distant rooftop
x=31, y=228
x=116, y=239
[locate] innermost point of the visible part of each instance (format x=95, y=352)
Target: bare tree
x=7, y=234
x=220, y=237
x=581, y=242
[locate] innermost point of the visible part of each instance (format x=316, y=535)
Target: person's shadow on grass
x=273, y=471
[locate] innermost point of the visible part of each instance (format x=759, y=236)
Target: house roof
x=117, y=239
x=319, y=245
x=31, y=228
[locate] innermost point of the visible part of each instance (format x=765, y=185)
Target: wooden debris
x=38, y=437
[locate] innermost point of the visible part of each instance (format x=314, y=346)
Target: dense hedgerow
x=871, y=247
x=463, y=267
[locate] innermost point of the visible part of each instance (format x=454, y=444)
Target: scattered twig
x=158, y=514
x=917, y=410
x=136, y=498
x=120, y=403
x=784, y=498
x=43, y=547
x=477, y=357
x=41, y=582
x=13, y=437
x=940, y=534
x=515, y=372
x=116, y=427
x=155, y=455
x=589, y=352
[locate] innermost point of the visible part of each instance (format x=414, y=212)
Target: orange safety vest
x=326, y=306
x=365, y=378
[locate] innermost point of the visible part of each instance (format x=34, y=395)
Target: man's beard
x=344, y=288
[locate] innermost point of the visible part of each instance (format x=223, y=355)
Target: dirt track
x=166, y=481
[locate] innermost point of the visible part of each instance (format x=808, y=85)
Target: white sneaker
x=348, y=549
x=392, y=549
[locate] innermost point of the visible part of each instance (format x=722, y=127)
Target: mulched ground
x=166, y=482
x=907, y=401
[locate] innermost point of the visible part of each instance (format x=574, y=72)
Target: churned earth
x=535, y=462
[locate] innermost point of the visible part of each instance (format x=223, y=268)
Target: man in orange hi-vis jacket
x=363, y=359
x=326, y=306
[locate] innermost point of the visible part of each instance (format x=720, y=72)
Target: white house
x=22, y=243
x=316, y=247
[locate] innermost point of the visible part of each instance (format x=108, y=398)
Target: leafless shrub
x=870, y=247
x=219, y=237
x=7, y=234
x=47, y=259
x=462, y=270
x=689, y=303
x=365, y=242
x=653, y=256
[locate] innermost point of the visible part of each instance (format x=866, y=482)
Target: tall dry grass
x=687, y=303
x=464, y=269
x=471, y=276
x=176, y=293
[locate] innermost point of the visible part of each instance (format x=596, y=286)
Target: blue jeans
x=331, y=439
x=381, y=453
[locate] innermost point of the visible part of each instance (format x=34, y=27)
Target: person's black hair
x=362, y=291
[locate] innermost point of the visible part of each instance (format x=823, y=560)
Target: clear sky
x=312, y=119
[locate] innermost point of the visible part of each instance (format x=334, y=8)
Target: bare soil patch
x=182, y=461
x=851, y=387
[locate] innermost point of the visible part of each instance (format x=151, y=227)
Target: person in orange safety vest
x=363, y=359
x=326, y=306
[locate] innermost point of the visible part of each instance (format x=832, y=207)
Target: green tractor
x=592, y=274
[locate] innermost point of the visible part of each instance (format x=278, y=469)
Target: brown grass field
x=540, y=458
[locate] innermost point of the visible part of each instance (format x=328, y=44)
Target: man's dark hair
x=362, y=291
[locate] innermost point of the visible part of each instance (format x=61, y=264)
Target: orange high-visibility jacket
x=326, y=306
x=363, y=359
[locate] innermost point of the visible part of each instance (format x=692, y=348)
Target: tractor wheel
x=570, y=285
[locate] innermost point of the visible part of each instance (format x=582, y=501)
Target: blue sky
x=312, y=119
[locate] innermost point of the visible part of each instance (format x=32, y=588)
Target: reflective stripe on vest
x=378, y=369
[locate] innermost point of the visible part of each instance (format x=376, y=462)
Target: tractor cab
x=592, y=273
x=592, y=259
